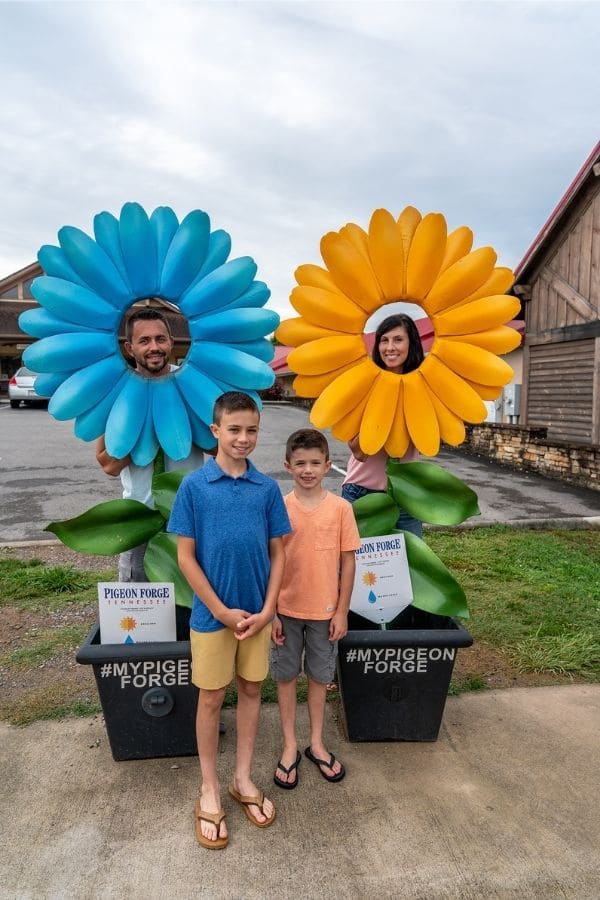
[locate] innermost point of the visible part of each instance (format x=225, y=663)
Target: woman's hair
x=415, y=348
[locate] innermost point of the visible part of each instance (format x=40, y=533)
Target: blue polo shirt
x=232, y=521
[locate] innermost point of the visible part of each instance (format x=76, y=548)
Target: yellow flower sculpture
x=414, y=259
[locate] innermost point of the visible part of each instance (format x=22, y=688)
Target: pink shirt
x=371, y=472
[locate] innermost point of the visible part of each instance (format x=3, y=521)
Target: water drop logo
x=372, y=598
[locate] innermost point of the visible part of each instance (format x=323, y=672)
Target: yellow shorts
x=218, y=655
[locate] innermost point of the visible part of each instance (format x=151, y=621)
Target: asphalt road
x=47, y=474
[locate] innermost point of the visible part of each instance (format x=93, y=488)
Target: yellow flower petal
x=328, y=310
x=458, y=244
x=326, y=354
x=398, y=438
x=357, y=236
x=499, y=282
x=460, y=280
x=379, y=413
x=387, y=253
x=349, y=426
x=479, y=315
x=350, y=271
x=316, y=276
x=452, y=429
x=421, y=418
x=497, y=340
x=485, y=391
x=452, y=390
x=294, y=332
x=314, y=385
x=471, y=362
x=338, y=398
x=425, y=256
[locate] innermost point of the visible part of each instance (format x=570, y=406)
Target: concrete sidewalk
x=503, y=805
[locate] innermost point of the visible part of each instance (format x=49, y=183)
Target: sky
x=286, y=120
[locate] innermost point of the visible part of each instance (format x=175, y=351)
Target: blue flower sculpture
x=88, y=286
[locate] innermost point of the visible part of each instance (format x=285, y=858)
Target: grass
x=33, y=586
x=44, y=647
x=533, y=595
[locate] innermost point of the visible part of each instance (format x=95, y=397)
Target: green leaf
x=160, y=564
x=430, y=493
x=375, y=514
x=434, y=588
x=109, y=528
x=164, y=488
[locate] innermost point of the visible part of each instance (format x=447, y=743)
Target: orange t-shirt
x=310, y=586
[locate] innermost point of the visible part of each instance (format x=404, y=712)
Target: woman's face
x=393, y=348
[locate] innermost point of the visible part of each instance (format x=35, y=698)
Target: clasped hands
x=242, y=623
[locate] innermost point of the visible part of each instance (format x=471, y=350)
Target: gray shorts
x=306, y=641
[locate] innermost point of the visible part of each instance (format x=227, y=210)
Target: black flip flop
x=288, y=785
x=324, y=762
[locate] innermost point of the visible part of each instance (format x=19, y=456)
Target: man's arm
x=110, y=464
x=257, y=621
x=338, y=627
x=357, y=453
x=199, y=583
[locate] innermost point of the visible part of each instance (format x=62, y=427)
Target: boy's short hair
x=233, y=401
x=306, y=439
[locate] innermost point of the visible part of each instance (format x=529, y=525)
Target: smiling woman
x=88, y=286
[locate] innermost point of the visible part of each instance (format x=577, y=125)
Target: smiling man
x=149, y=343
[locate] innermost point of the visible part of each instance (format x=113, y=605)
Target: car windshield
x=25, y=371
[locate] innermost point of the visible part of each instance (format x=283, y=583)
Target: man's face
x=150, y=347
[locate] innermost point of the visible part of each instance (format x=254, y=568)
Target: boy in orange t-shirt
x=312, y=607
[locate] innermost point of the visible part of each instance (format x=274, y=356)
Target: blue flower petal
x=107, y=234
x=234, y=325
x=219, y=248
x=202, y=436
x=54, y=262
x=75, y=303
x=171, y=420
x=185, y=255
x=262, y=349
x=127, y=416
x=95, y=267
x=225, y=387
x=41, y=323
x=164, y=224
x=257, y=295
x=86, y=387
x=92, y=423
x=147, y=444
x=219, y=288
x=139, y=250
x=47, y=384
x=220, y=361
x=67, y=352
x=199, y=391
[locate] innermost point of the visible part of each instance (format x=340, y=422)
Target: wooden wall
x=561, y=360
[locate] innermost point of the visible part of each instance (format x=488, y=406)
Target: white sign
x=136, y=612
x=382, y=587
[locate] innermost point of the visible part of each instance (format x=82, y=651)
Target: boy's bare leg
x=317, y=697
x=286, y=698
x=247, y=716
x=207, y=735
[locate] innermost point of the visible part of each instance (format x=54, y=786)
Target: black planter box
x=394, y=683
x=146, y=692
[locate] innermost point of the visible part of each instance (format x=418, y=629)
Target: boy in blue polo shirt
x=230, y=520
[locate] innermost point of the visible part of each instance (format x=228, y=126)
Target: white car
x=20, y=388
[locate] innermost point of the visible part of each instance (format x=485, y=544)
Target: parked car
x=20, y=388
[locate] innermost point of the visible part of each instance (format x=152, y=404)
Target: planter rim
x=452, y=636
x=90, y=652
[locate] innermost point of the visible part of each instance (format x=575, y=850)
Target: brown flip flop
x=216, y=818
x=246, y=802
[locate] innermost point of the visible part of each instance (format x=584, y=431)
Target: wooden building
x=558, y=282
